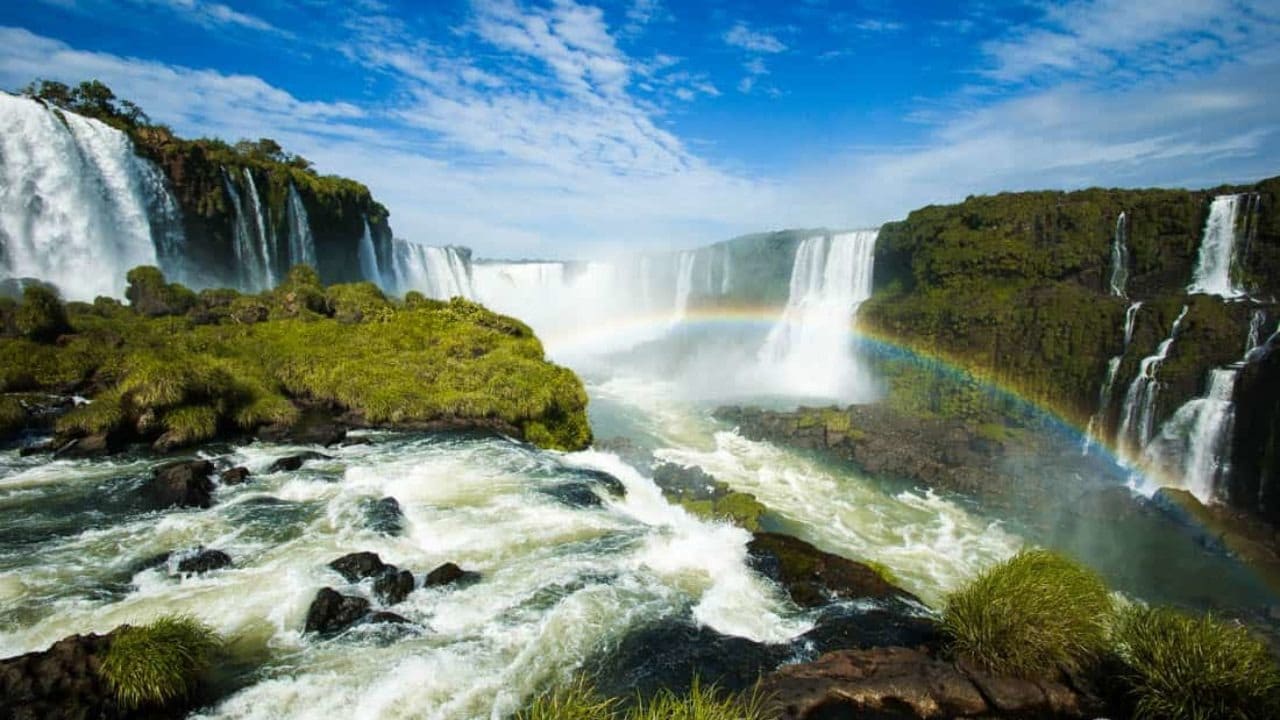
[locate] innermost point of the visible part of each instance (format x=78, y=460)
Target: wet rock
x=234, y=476
x=91, y=446
x=449, y=574
x=62, y=682
x=331, y=612
x=203, y=560
x=313, y=428
x=883, y=624
x=184, y=483
x=382, y=616
x=814, y=578
x=393, y=585
x=672, y=655
x=384, y=515
x=573, y=494
x=360, y=565
x=293, y=462
x=37, y=449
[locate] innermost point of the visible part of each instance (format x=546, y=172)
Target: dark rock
x=672, y=655
x=812, y=577
x=449, y=574
x=331, y=612
x=360, y=565
x=204, y=560
x=573, y=494
x=184, y=483
x=350, y=441
x=384, y=515
x=382, y=616
x=293, y=462
x=234, y=476
x=37, y=449
x=91, y=446
x=393, y=585
x=59, y=683
x=315, y=427
x=886, y=624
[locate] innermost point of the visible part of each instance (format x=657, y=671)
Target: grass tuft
x=580, y=701
x=157, y=663
x=1187, y=668
x=1031, y=616
x=577, y=700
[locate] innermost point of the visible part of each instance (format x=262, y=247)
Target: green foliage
x=357, y=302
x=191, y=424
x=1030, y=616
x=1185, y=668
x=741, y=509
x=150, y=295
x=90, y=98
x=41, y=316
x=157, y=663
x=13, y=416
x=579, y=701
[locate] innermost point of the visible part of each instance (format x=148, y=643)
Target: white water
x=1120, y=256
x=368, y=257
x=76, y=203
x=1095, y=424
x=684, y=286
x=251, y=266
x=267, y=249
x=437, y=272
x=1137, y=414
x=1214, y=265
x=302, y=245
x=808, y=350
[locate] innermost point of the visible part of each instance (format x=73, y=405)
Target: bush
x=41, y=316
x=1030, y=616
x=1185, y=668
x=150, y=295
x=579, y=701
x=159, y=662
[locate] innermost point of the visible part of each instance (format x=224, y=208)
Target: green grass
x=157, y=663
x=1186, y=668
x=1030, y=616
x=579, y=701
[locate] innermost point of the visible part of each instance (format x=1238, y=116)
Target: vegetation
x=157, y=663
x=741, y=509
x=224, y=362
x=579, y=701
x=1185, y=668
x=13, y=417
x=41, y=316
x=1030, y=616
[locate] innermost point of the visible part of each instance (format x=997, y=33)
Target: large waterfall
x=808, y=350
x=1213, y=274
x=1138, y=413
x=437, y=272
x=77, y=207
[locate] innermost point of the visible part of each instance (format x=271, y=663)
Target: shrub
x=41, y=316
x=1185, y=668
x=1031, y=616
x=150, y=295
x=574, y=701
x=159, y=662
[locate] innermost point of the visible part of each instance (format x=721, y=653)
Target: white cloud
x=741, y=36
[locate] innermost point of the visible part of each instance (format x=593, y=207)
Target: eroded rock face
x=331, y=612
x=184, y=483
x=814, y=578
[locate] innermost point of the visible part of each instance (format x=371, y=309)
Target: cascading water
x=684, y=285
x=250, y=265
x=1254, y=338
x=1108, y=380
x=267, y=249
x=437, y=272
x=726, y=269
x=1214, y=270
x=302, y=245
x=1138, y=412
x=808, y=351
x=369, y=257
x=78, y=208
x=1120, y=256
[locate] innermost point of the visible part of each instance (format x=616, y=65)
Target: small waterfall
x=1254, y=338
x=250, y=266
x=1207, y=421
x=1120, y=256
x=809, y=350
x=725, y=269
x=369, y=257
x=684, y=285
x=1108, y=381
x=1138, y=411
x=78, y=208
x=302, y=246
x=266, y=232
x=1215, y=264
x=437, y=272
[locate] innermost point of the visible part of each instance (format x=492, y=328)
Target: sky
x=567, y=129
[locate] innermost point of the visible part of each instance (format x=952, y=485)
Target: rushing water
x=1214, y=271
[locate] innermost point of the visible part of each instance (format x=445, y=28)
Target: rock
x=184, y=483
x=384, y=515
x=60, y=683
x=449, y=574
x=382, y=616
x=203, y=560
x=890, y=623
x=234, y=476
x=315, y=427
x=812, y=577
x=393, y=585
x=360, y=565
x=91, y=446
x=671, y=655
x=293, y=462
x=882, y=682
x=37, y=449
x=573, y=494
x=331, y=612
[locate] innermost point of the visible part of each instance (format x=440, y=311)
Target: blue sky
x=568, y=129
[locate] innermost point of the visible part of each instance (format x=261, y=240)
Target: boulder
x=360, y=565
x=331, y=613
x=382, y=616
x=203, y=560
x=59, y=683
x=814, y=578
x=384, y=516
x=393, y=585
x=234, y=476
x=184, y=483
x=315, y=427
x=90, y=446
x=887, y=623
x=449, y=574
x=293, y=462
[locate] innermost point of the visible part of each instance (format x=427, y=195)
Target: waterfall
x=808, y=350
x=266, y=232
x=78, y=208
x=725, y=269
x=302, y=246
x=1138, y=411
x=1203, y=427
x=1120, y=257
x=250, y=265
x=1216, y=261
x=369, y=257
x=437, y=272
x=684, y=285
x=1254, y=338
x=1108, y=381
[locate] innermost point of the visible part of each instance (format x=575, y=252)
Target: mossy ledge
x=175, y=368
